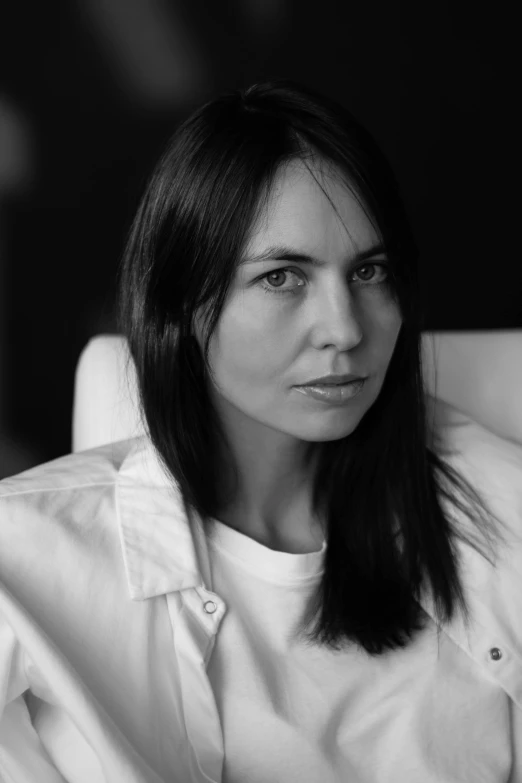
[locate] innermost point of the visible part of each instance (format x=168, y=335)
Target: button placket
x=211, y=609
x=193, y=640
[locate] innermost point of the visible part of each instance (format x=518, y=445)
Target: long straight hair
x=380, y=489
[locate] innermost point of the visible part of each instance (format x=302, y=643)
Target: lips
x=333, y=393
x=333, y=383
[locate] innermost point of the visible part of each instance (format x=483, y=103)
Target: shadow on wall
x=86, y=115
x=70, y=173
x=16, y=172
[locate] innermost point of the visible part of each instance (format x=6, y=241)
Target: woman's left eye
x=286, y=271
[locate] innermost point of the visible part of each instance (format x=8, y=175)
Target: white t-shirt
x=312, y=715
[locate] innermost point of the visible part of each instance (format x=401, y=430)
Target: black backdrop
x=426, y=80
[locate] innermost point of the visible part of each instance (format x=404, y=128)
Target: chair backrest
x=105, y=405
x=477, y=373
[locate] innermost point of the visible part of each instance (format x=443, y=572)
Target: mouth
x=333, y=393
x=343, y=383
x=332, y=385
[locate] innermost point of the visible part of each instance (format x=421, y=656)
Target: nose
x=338, y=318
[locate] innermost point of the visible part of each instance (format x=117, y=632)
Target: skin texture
x=342, y=318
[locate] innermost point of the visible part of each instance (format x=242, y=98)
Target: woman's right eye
x=275, y=273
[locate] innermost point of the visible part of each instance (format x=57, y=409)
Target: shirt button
x=210, y=607
x=495, y=653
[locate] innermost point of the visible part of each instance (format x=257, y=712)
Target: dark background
x=91, y=90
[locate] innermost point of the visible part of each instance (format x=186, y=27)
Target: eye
x=293, y=291
x=275, y=273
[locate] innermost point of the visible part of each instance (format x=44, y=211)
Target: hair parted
x=379, y=490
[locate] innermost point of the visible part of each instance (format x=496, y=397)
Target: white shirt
x=290, y=713
x=134, y=648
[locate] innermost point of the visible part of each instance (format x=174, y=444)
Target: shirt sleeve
x=22, y=756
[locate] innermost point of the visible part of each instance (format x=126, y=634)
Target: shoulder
x=493, y=583
x=84, y=469
x=60, y=552
x=493, y=467
x=491, y=464
x=54, y=507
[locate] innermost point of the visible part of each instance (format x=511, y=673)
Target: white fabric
x=290, y=713
x=479, y=373
x=106, y=642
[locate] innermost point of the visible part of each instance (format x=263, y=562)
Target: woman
x=276, y=583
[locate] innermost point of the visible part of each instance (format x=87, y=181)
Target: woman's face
x=281, y=328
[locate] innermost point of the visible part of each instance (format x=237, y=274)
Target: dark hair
x=380, y=488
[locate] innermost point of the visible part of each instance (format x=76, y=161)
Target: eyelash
x=295, y=290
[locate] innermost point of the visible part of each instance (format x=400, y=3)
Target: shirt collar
x=160, y=542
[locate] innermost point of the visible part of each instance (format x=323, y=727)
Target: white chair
x=479, y=374
x=105, y=406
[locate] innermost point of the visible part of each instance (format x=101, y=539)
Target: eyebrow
x=284, y=253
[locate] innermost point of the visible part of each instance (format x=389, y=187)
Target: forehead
x=299, y=212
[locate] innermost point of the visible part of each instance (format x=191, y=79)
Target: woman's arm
x=22, y=757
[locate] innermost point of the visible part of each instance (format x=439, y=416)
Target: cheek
x=389, y=322
x=383, y=338
x=395, y=327
x=251, y=345
x=240, y=356
x=389, y=338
